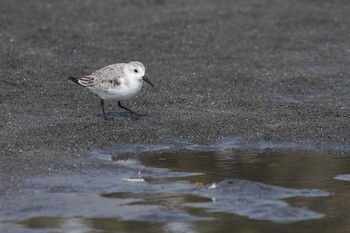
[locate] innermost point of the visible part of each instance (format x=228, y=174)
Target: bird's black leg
x=121, y=106
x=103, y=108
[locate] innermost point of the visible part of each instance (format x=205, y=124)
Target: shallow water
x=203, y=189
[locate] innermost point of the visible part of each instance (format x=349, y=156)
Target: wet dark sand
x=259, y=71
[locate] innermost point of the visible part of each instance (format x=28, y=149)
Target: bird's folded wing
x=105, y=84
x=86, y=81
x=104, y=78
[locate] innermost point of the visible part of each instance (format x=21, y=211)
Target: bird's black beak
x=147, y=80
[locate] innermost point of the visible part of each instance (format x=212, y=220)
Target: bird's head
x=137, y=70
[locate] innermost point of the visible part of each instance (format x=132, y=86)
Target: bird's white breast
x=124, y=91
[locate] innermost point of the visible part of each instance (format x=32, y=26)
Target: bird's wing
x=104, y=78
x=86, y=81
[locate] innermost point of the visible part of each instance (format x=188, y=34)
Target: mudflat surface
x=259, y=71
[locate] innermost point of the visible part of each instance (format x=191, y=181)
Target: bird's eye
x=136, y=71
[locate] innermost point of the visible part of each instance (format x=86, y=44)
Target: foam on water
x=224, y=144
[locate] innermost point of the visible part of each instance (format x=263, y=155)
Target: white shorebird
x=119, y=81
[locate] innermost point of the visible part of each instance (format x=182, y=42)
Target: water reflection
x=216, y=191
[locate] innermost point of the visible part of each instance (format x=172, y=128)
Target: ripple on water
x=108, y=190
x=169, y=188
x=257, y=200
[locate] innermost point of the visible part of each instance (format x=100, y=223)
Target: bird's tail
x=74, y=79
x=85, y=81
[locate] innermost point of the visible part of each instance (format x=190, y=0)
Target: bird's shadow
x=124, y=115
